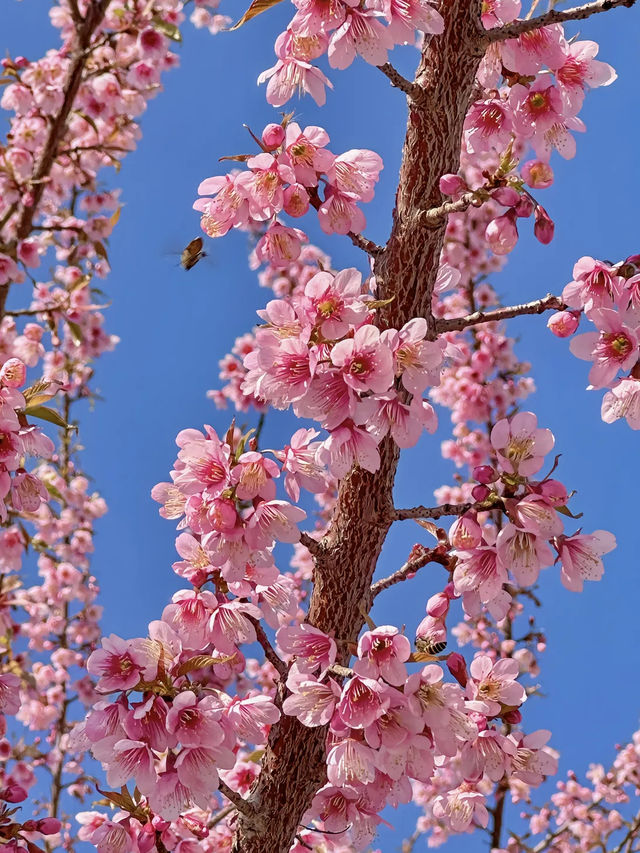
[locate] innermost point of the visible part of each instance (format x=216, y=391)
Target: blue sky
x=174, y=326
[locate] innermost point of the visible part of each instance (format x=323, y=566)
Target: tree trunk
x=293, y=767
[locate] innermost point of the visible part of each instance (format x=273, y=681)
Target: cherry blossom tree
x=263, y=710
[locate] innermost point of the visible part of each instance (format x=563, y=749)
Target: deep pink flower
x=613, y=348
x=313, y=649
x=365, y=360
x=121, y=664
x=363, y=700
x=196, y=722
x=382, y=653
x=333, y=303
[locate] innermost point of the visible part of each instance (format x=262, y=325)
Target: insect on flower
x=190, y=255
x=427, y=650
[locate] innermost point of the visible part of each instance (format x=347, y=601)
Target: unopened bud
x=13, y=793
x=452, y=185
x=273, y=136
x=524, y=207
x=513, y=717
x=457, y=666
x=49, y=825
x=563, y=323
x=544, y=227
x=485, y=474
x=502, y=234
x=438, y=604
x=480, y=493
x=506, y=196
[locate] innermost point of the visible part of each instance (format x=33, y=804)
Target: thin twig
x=341, y=671
x=234, y=797
x=269, y=652
x=555, y=16
x=412, y=89
x=220, y=816
x=409, y=568
x=538, y=306
x=445, y=509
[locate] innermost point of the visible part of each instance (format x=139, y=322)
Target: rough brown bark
x=293, y=766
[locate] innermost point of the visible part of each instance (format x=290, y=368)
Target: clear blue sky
x=175, y=326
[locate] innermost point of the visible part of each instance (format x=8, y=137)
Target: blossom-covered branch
x=554, y=16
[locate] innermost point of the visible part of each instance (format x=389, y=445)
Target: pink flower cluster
x=184, y=729
x=533, y=89
x=387, y=726
x=608, y=295
x=286, y=177
x=343, y=30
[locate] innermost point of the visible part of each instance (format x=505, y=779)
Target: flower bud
x=485, y=474
x=544, y=227
x=513, y=717
x=452, y=185
x=49, y=825
x=506, y=195
x=13, y=373
x=501, y=234
x=438, y=604
x=537, y=174
x=13, y=793
x=563, y=323
x=457, y=666
x=273, y=136
x=480, y=493
x=525, y=207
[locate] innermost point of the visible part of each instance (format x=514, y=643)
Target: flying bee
x=427, y=649
x=192, y=254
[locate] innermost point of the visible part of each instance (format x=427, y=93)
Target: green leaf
x=76, y=332
x=256, y=8
x=167, y=29
x=47, y=414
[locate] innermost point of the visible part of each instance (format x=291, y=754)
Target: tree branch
x=555, y=16
x=312, y=545
x=399, y=82
x=95, y=14
x=269, y=652
x=365, y=244
x=445, y=509
x=437, y=215
x=242, y=805
x=538, y=306
x=409, y=568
